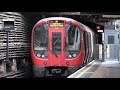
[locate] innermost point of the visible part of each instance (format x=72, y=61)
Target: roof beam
x=52, y=13
x=111, y=16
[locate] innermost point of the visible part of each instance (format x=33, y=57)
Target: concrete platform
x=99, y=69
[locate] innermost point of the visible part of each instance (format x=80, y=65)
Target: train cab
x=57, y=46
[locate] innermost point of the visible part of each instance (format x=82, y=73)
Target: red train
x=60, y=45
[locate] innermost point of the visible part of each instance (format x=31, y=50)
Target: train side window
x=41, y=37
x=72, y=37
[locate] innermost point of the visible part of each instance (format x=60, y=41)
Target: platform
x=98, y=69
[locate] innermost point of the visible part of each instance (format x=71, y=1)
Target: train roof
x=84, y=27
x=58, y=18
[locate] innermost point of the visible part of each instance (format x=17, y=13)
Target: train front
x=56, y=47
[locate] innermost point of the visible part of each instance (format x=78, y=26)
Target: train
x=60, y=46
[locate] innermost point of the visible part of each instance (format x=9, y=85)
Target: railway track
x=19, y=74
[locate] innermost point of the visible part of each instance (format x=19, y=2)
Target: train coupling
x=56, y=71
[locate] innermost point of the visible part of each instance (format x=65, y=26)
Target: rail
x=18, y=74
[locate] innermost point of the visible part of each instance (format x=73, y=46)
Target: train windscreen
x=41, y=37
x=72, y=37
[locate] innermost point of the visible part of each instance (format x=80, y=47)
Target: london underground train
x=60, y=46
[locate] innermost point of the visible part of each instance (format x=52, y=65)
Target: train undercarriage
x=41, y=71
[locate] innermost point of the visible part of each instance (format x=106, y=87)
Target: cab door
x=56, y=48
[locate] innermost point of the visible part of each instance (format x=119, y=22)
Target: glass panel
x=41, y=37
x=56, y=42
x=72, y=37
x=110, y=39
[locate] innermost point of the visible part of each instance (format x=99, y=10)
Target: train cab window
x=72, y=37
x=41, y=37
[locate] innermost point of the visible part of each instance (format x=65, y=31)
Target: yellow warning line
x=84, y=71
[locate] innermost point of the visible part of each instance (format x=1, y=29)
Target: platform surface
x=99, y=69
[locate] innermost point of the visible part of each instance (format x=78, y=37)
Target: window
x=8, y=23
x=110, y=39
x=56, y=42
x=9, y=26
x=72, y=37
x=41, y=37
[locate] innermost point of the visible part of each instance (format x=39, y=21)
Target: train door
x=86, y=47
x=90, y=48
x=88, y=57
x=56, y=38
x=111, y=45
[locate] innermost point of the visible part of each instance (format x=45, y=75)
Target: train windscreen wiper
x=55, y=54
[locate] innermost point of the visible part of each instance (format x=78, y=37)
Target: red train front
x=57, y=46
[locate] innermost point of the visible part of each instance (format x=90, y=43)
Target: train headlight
x=69, y=55
x=38, y=55
x=74, y=55
x=43, y=56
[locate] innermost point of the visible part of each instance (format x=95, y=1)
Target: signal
x=98, y=27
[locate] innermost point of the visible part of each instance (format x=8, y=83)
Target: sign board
x=100, y=52
x=99, y=30
x=108, y=51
